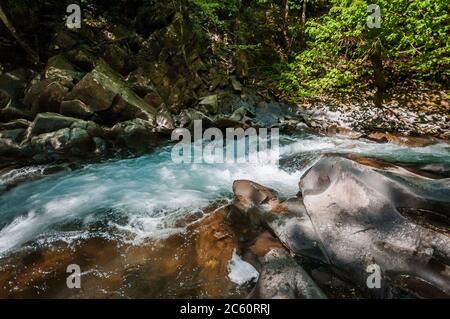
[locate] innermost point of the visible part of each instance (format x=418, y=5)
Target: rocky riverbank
x=105, y=89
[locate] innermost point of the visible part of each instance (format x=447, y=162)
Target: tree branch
x=33, y=55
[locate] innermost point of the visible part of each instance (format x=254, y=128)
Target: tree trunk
x=286, y=26
x=32, y=54
x=379, y=80
x=303, y=23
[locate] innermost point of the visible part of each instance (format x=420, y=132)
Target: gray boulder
x=283, y=278
x=51, y=122
x=76, y=108
x=135, y=135
x=105, y=90
x=355, y=211
x=59, y=68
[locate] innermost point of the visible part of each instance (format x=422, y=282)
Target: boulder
x=45, y=96
x=75, y=142
x=283, y=278
x=210, y=104
x=357, y=218
x=59, y=68
x=105, y=90
x=15, y=135
x=51, y=122
x=140, y=80
x=116, y=57
x=164, y=121
x=188, y=116
x=135, y=135
x=356, y=212
x=9, y=147
x=289, y=220
x=76, y=108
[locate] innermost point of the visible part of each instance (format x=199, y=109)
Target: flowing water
x=143, y=198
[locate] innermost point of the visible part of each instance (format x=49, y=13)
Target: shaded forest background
x=303, y=48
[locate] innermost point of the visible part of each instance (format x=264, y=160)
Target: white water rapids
x=144, y=197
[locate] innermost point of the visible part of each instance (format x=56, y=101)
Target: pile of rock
x=92, y=100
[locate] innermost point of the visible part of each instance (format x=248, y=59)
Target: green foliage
x=413, y=38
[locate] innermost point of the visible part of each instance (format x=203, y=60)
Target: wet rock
x=136, y=135
x=439, y=169
x=188, y=116
x=76, y=108
x=289, y=220
x=66, y=142
x=45, y=95
x=9, y=148
x=140, y=80
x=164, y=121
x=96, y=90
x=82, y=58
x=50, y=98
x=355, y=211
x=51, y=122
x=283, y=278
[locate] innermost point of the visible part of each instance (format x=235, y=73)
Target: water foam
x=145, y=196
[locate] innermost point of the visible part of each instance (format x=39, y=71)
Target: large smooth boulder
x=356, y=212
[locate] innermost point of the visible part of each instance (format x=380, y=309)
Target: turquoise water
x=139, y=198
